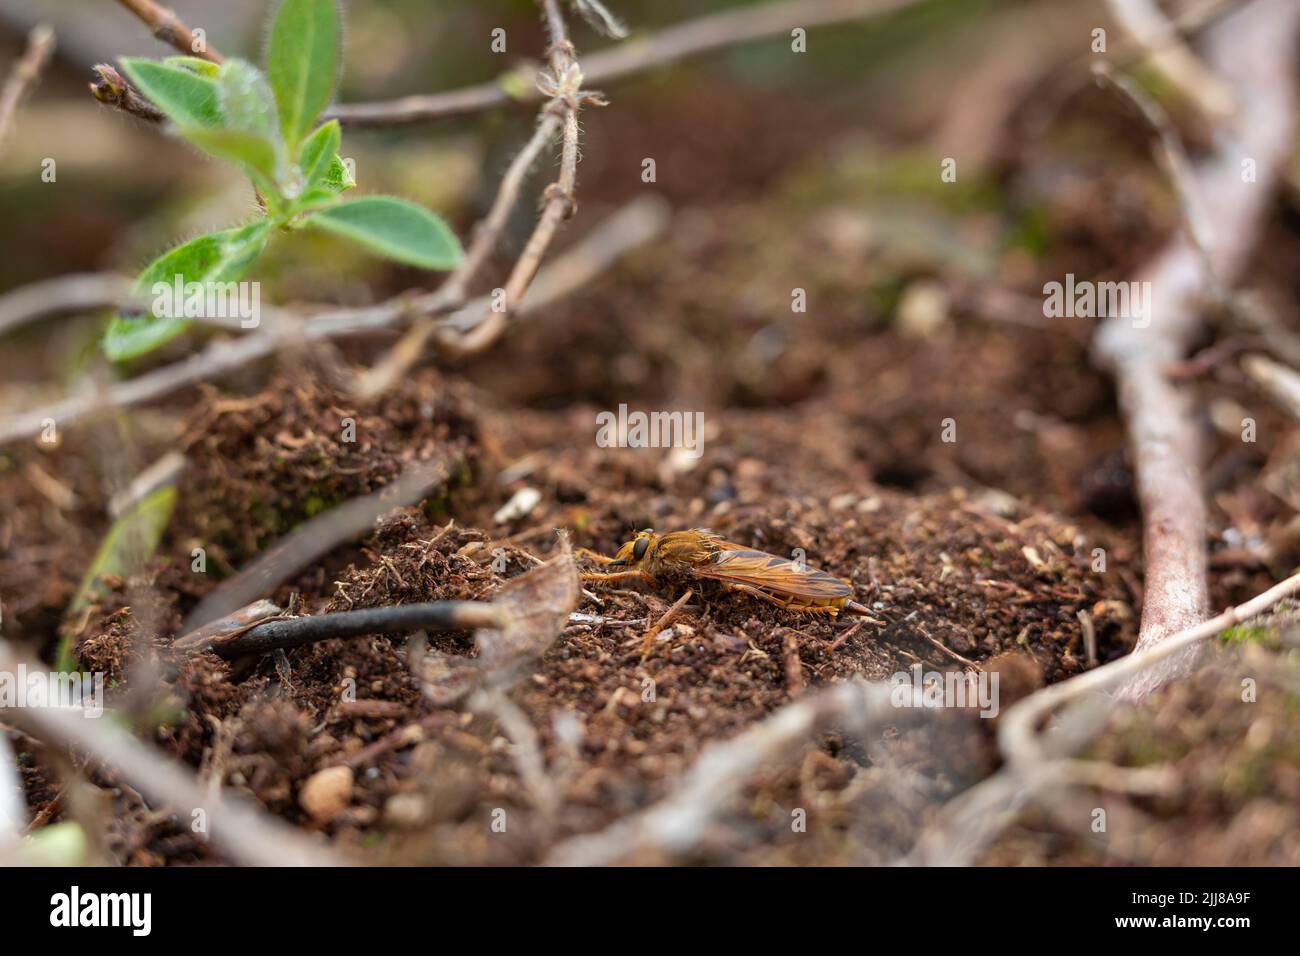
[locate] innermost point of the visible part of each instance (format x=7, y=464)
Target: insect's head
x=635, y=551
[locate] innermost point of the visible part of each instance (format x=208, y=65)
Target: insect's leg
x=754, y=592
x=612, y=575
x=594, y=556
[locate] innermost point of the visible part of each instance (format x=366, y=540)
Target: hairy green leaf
x=256, y=156
x=186, y=97
x=319, y=150
x=394, y=228
x=302, y=63
x=216, y=257
x=194, y=64
x=247, y=100
x=250, y=132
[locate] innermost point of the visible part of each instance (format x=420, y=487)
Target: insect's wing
x=769, y=573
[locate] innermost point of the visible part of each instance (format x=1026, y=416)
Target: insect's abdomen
x=780, y=579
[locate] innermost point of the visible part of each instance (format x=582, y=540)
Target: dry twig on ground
x=1280, y=382
x=1037, y=761
x=317, y=537
x=243, y=833
x=681, y=820
x=1144, y=21
x=1253, y=51
x=63, y=295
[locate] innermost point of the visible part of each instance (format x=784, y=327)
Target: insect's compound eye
x=638, y=549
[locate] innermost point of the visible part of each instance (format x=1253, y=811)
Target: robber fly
x=682, y=555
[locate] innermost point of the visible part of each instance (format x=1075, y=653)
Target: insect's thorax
x=680, y=551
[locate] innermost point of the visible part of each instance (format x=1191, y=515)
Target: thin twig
x=40, y=44
x=564, y=85
x=1177, y=165
x=1037, y=761
x=317, y=537
x=1144, y=21
x=112, y=89
x=167, y=27
x=637, y=55
x=648, y=641
x=1017, y=731
x=65, y=295
x=525, y=750
x=679, y=821
x=285, y=633
x=630, y=227
x=243, y=832
x=13, y=808
x=408, y=350
x=1280, y=382
x=1252, y=49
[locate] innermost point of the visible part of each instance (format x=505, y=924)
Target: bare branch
x=1280, y=382
x=40, y=44
x=112, y=89
x=526, y=750
x=1144, y=21
x=1017, y=731
x=525, y=617
x=692, y=38
x=1252, y=49
x=564, y=86
x=1174, y=158
x=65, y=295
x=167, y=27
x=1037, y=761
x=599, y=18
x=408, y=350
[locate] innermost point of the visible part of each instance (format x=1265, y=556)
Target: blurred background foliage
x=123, y=193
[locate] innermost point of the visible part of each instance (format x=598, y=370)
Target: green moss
x=1031, y=232
x=1250, y=633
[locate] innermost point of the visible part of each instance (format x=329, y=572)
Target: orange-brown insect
x=700, y=553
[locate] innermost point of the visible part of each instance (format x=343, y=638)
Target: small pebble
x=327, y=793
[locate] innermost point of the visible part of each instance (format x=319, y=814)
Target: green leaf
x=127, y=547
x=256, y=156
x=250, y=134
x=319, y=150
x=394, y=228
x=195, y=65
x=302, y=63
x=216, y=257
x=338, y=177
x=247, y=100
x=186, y=97
x=130, y=336
x=325, y=174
